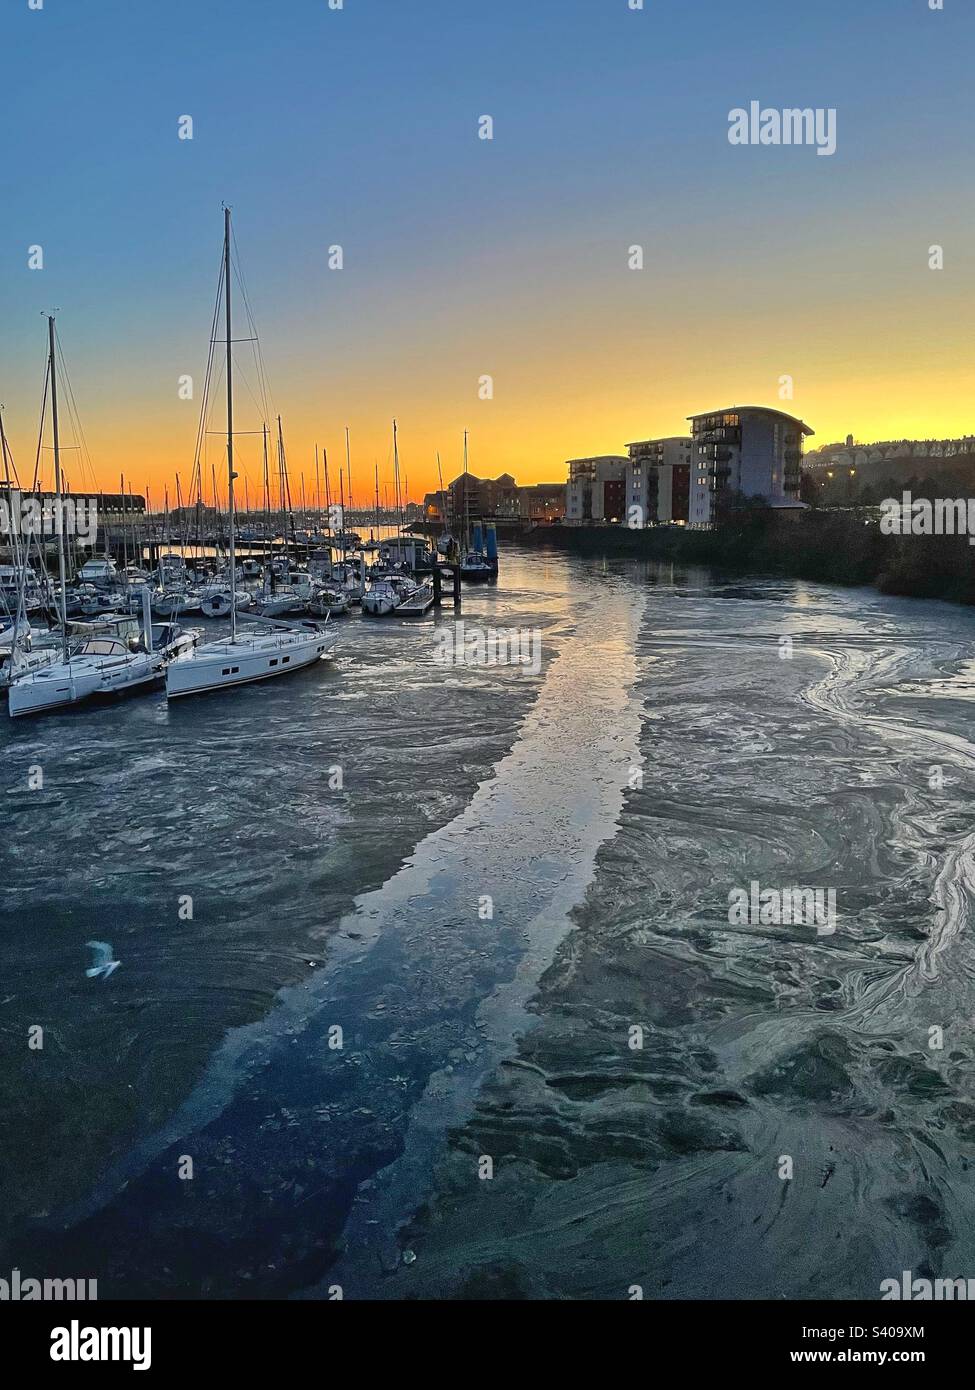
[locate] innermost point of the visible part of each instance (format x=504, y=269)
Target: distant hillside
x=924, y=477
x=867, y=455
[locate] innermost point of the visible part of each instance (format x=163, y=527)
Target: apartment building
x=658, y=480
x=470, y=496
x=498, y=498
x=751, y=451
x=597, y=490
x=541, y=502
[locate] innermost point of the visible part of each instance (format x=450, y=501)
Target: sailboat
x=215, y=600
x=23, y=648
x=473, y=566
x=99, y=665
x=96, y=666
x=388, y=588
x=276, y=647
x=384, y=596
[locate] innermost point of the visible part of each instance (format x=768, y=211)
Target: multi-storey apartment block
x=658, y=480
x=747, y=450
x=596, y=490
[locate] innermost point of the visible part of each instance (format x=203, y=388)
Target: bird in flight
x=105, y=962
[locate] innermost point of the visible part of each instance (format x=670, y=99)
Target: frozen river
x=428, y=975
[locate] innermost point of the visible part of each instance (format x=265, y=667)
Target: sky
x=466, y=258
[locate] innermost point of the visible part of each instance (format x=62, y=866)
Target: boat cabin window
x=103, y=646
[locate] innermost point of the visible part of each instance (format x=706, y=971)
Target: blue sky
x=359, y=127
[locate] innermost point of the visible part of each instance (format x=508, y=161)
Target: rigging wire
x=40, y=424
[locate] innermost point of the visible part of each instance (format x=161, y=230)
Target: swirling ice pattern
x=763, y=1044
x=613, y=1167
x=953, y=891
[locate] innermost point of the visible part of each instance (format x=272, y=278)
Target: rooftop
x=663, y=439
x=759, y=409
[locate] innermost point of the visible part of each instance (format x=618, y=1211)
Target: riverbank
x=828, y=547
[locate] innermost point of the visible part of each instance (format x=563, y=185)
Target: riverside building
x=749, y=451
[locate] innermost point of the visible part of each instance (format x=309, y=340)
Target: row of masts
x=284, y=489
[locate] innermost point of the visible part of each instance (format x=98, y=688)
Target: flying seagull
x=105, y=962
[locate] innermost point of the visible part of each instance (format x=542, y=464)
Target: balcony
x=726, y=434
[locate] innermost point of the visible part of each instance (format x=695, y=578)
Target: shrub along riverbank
x=831, y=547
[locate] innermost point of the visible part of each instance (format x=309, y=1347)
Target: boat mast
x=136, y=553
x=443, y=499
x=268, y=539
x=57, y=488
x=342, y=510
x=281, y=487
x=125, y=534
x=230, y=429
x=399, y=514
x=348, y=471
x=467, y=514
x=21, y=569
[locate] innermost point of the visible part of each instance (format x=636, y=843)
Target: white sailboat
x=99, y=665
x=274, y=648
x=98, y=570
x=328, y=602
x=252, y=656
x=23, y=648
x=381, y=598
x=216, y=598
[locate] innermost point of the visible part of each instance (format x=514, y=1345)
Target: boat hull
x=219, y=667
x=56, y=688
x=378, y=607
